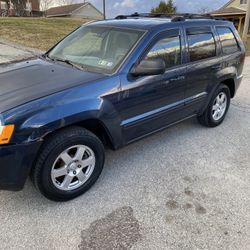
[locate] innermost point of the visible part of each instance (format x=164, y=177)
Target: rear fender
x=221, y=76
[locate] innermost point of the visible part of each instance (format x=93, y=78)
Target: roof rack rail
x=174, y=17
x=149, y=15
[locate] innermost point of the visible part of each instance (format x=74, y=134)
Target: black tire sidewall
x=220, y=89
x=46, y=185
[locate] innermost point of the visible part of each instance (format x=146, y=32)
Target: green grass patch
x=39, y=33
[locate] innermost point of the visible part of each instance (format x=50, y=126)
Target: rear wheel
x=217, y=108
x=70, y=162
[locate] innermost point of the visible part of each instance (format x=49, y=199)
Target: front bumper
x=15, y=164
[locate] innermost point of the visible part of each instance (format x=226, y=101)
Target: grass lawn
x=40, y=33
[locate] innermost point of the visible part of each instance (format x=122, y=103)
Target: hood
x=30, y=80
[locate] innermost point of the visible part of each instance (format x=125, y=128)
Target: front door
x=152, y=102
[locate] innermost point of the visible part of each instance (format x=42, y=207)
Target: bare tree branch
x=45, y=5
x=66, y=2
x=19, y=7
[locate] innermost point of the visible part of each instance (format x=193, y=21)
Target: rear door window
x=201, y=46
x=228, y=41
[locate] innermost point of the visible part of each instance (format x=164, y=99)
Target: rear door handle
x=216, y=67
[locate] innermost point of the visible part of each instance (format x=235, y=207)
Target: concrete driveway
x=10, y=52
x=187, y=187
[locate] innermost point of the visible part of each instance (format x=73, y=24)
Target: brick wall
x=35, y=5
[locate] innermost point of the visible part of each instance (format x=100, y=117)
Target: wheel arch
x=230, y=83
x=98, y=128
x=93, y=125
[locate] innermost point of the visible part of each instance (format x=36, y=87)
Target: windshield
x=97, y=48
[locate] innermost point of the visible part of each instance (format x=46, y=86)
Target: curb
x=6, y=64
x=33, y=51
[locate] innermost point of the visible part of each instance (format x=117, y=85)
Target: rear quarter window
x=228, y=41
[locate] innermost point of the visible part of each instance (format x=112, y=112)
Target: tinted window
x=228, y=41
x=201, y=46
x=169, y=49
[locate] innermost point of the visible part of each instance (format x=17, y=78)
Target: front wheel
x=70, y=162
x=217, y=108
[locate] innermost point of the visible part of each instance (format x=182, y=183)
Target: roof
x=229, y=11
x=133, y=23
x=67, y=10
x=64, y=10
x=148, y=23
x=227, y=4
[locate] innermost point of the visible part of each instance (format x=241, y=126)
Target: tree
x=19, y=7
x=204, y=10
x=45, y=4
x=165, y=7
x=66, y=2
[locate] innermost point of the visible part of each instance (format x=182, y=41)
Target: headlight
x=6, y=132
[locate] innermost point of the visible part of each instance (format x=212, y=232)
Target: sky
x=115, y=7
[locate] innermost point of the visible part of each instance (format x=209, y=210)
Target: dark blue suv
x=111, y=83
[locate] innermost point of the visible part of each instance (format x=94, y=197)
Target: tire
x=61, y=152
x=208, y=118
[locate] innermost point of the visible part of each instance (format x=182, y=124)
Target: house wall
x=236, y=4
x=88, y=12
x=3, y=6
x=237, y=19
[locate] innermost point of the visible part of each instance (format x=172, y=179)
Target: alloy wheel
x=73, y=167
x=219, y=106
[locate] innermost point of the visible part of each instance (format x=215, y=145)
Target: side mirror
x=147, y=67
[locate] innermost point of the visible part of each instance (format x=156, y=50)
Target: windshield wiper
x=44, y=56
x=68, y=62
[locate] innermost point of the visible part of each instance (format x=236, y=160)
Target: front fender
x=60, y=116
x=37, y=119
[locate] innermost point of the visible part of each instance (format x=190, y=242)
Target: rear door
x=203, y=61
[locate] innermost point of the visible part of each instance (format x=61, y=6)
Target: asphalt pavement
x=187, y=187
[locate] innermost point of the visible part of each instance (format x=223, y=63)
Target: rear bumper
x=238, y=81
x=15, y=164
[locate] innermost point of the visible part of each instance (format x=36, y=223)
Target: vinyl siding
x=236, y=4
x=88, y=12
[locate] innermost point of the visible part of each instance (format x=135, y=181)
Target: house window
x=3, y=5
x=243, y=1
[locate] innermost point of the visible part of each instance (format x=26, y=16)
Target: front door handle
x=178, y=78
